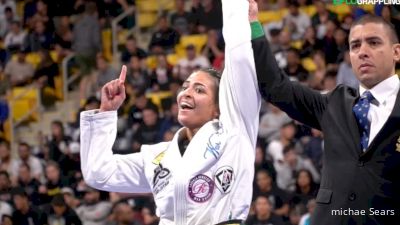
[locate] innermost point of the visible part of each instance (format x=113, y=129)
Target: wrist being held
x=253, y=11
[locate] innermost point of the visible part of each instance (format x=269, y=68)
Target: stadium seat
x=24, y=103
x=147, y=19
x=198, y=40
x=107, y=43
x=172, y=59
x=157, y=97
x=309, y=10
x=147, y=5
x=270, y=16
x=308, y=64
x=151, y=62
x=297, y=44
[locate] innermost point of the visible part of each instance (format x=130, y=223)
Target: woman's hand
x=253, y=11
x=113, y=93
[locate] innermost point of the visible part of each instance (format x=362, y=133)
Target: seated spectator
x=314, y=148
x=7, y=163
x=25, y=213
x=293, y=163
x=208, y=16
x=345, y=74
x=54, y=182
x=6, y=210
x=38, y=38
x=182, y=20
x=164, y=38
x=287, y=134
x=25, y=156
x=5, y=187
x=58, y=141
x=14, y=39
x=190, y=63
x=7, y=4
x=284, y=46
x=131, y=49
x=214, y=49
x=70, y=198
x=296, y=21
x=161, y=76
x=149, y=215
x=271, y=122
x=41, y=15
x=19, y=72
x=170, y=120
x=104, y=73
x=6, y=20
x=137, y=78
x=306, y=218
x=263, y=213
x=321, y=17
x=306, y=188
x=294, y=69
x=61, y=213
x=295, y=214
x=278, y=198
x=261, y=163
x=122, y=214
x=93, y=210
x=29, y=183
x=63, y=34
x=149, y=131
x=310, y=43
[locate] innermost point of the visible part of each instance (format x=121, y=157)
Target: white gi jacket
x=212, y=181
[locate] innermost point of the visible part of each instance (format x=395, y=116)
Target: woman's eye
x=199, y=90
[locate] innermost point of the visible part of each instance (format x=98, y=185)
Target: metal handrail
x=114, y=26
x=67, y=80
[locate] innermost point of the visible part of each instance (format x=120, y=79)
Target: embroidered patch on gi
x=158, y=158
x=214, y=144
x=161, y=178
x=224, y=178
x=201, y=188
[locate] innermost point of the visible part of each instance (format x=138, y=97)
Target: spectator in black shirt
x=25, y=213
x=263, y=213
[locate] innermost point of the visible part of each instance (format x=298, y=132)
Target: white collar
x=383, y=90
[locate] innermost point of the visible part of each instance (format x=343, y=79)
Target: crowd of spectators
x=43, y=183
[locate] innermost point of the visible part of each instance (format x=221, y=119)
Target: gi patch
x=201, y=188
x=158, y=158
x=224, y=179
x=161, y=178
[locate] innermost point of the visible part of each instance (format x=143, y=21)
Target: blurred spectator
x=274, y=38
x=70, y=198
x=53, y=184
x=44, y=75
x=5, y=187
x=347, y=21
x=7, y=163
x=123, y=215
x=296, y=21
x=63, y=35
x=7, y=4
x=295, y=214
x=310, y=43
x=19, y=71
x=306, y=188
x=5, y=210
x=25, y=213
x=148, y=132
x=164, y=38
x=190, y=63
x=29, y=10
x=214, y=49
x=294, y=69
x=86, y=40
x=287, y=134
x=345, y=74
x=4, y=110
x=182, y=20
x=41, y=15
x=6, y=20
x=38, y=38
x=131, y=49
x=170, y=120
x=263, y=213
x=208, y=16
x=149, y=215
x=306, y=218
x=58, y=141
x=314, y=148
x=278, y=198
x=135, y=113
x=291, y=164
x=25, y=156
x=137, y=78
x=61, y=213
x=271, y=122
x=6, y=220
x=93, y=211
x=28, y=183
x=14, y=39
x=91, y=103
x=161, y=76
x=261, y=163
x=284, y=45
x=321, y=17
x=329, y=81
x=71, y=161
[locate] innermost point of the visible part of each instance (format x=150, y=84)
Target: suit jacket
x=354, y=184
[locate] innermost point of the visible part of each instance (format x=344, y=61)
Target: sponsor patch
x=224, y=179
x=214, y=144
x=201, y=188
x=161, y=178
x=158, y=158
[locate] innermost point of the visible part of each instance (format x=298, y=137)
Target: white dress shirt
x=385, y=94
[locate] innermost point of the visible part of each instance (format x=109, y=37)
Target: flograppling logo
x=366, y=2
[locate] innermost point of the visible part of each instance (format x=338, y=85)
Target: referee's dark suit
x=351, y=179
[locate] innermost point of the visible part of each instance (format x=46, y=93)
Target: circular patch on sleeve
x=201, y=188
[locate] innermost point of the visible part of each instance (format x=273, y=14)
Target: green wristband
x=256, y=30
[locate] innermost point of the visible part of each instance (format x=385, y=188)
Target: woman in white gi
x=204, y=175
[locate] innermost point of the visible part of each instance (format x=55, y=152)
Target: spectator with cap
x=25, y=213
x=70, y=198
x=61, y=213
x=93, y=210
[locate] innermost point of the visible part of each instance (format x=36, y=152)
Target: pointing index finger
x=122, y=75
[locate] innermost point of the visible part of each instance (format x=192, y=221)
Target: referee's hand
x=113, y=93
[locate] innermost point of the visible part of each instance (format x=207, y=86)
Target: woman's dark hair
x=217, y=78
x=312, y=183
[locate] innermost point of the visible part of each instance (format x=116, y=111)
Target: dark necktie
x=360, y=110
